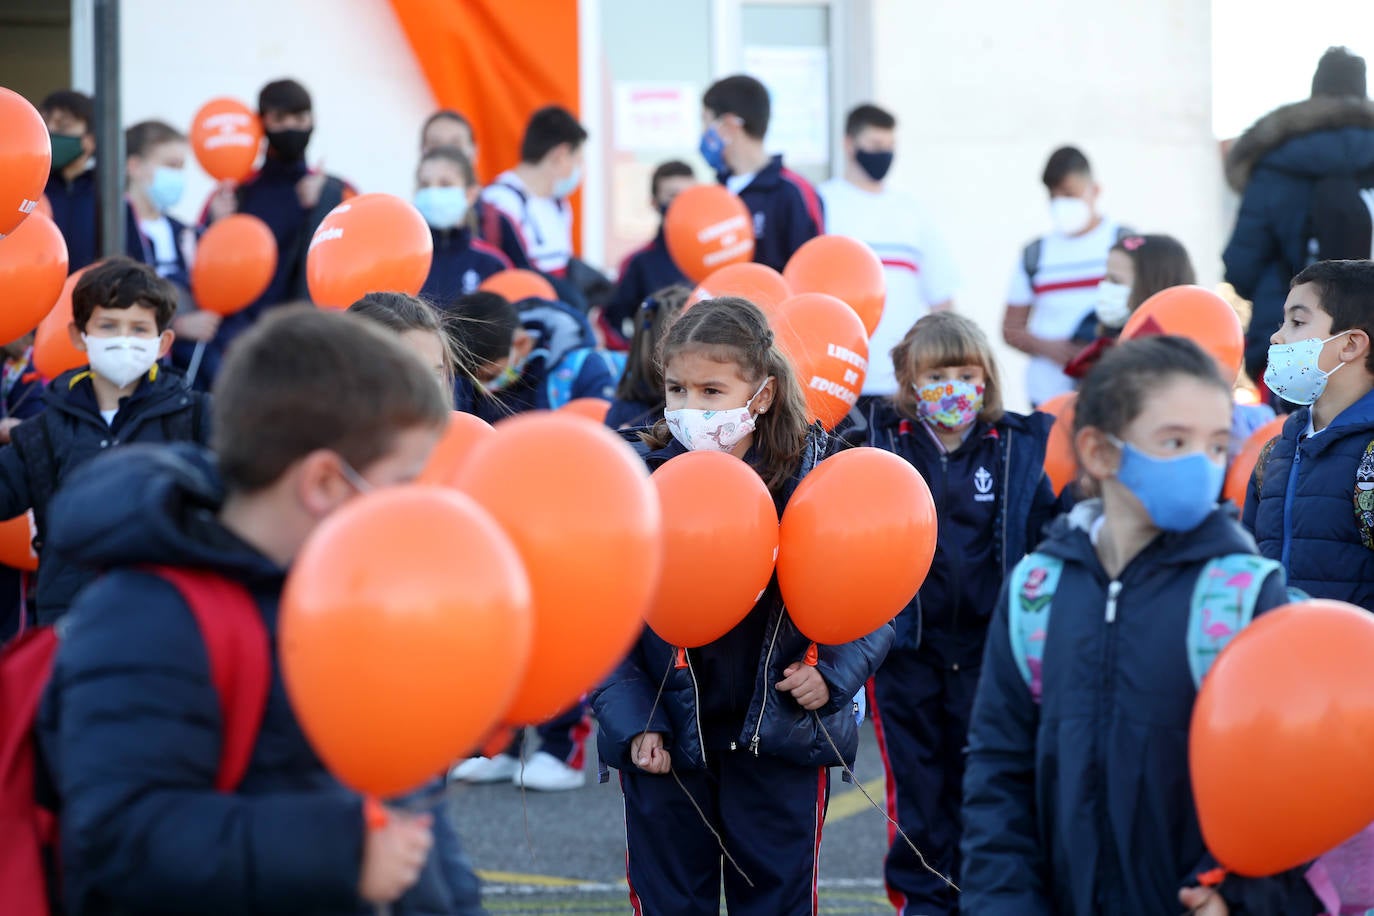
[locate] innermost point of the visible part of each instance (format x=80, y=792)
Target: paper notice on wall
x=798, y=81
x=657, y=117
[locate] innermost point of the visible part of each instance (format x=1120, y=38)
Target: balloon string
x=524, y=799
x=705, y=820
x=659, y=696
x=876, y=807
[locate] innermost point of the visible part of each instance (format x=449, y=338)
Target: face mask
x=875, y=165
x=1177, y=493
x=442, y=208
x=712, y=430
x=288, y=144
x=166, y=187
x=565, y=186
x=66, y=149
x=355, y=480
x=1112, y=307
x=1293, y=372
x=509, y=375
x=121, y=360
x=712, y=149
x=1070, y=215
x=949, y=405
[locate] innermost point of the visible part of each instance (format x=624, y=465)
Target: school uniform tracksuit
x=787, y=213
x=461, y=262
x=74, y=211
x=643, y=273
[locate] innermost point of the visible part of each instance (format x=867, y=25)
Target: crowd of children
x=1044, y=770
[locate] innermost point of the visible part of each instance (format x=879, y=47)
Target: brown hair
x=121, y=283
x=400, y=313
x=943, y=339
x=643, y=377
x=733, y=330
x=143, y=136
x=304, y=379
x=1160, y=261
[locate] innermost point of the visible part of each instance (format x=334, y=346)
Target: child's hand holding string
x=649, y=754
x=806, y=685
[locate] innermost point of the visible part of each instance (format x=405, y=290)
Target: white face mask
x=1070, y=215
x=121, y=360
x=712, y=430
x=1113, y=303
x=1294, y=373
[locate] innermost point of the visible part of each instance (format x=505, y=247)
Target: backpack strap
x=1262, y=463
x=1030, y=261
x=1029, y=596
x=1223, y=604
x=240, y=661
x=1364, y=496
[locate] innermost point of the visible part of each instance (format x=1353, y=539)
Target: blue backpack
x=563, y=377
x=1222, y=605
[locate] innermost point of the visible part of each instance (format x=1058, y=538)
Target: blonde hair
x=939, y=340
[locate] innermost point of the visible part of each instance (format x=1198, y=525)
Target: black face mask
x=875, y=165
x=288, y=144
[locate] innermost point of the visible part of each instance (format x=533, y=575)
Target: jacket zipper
x=1002, y=508
x=1105, y=701
x=1113, y=592
x=1288, y=496
x=763, y=708
x=696, y=705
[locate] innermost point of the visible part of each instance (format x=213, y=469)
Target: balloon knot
x=374, y=815
x=681, y=659
x=1212, y=878
x=813, y=655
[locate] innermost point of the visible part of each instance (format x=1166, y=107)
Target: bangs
x=944, y=344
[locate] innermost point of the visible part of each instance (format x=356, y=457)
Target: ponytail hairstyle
x=400, y=313
x=1160, y=261
x=643, y=378
x=733, y=330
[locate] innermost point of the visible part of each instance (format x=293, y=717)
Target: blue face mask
x=712, y=149
x=442, y=208
x=166, y=187
x=1177, y=493
x=565, y=186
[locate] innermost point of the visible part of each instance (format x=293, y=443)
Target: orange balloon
x=858, y=538
x=1238, y=475
x=591, y=408
x=25, y=159
x=717, y=515
x=706, y=228
x=842, y=267
x=1061, y=461
x=829, y=350
x=1198, y=314
x=16, y=542
x=517, y=285
x=496, y=741
x=369, y=243
x=578, y=504
x=461, y=437
x=53, y=351
x=44, y=206
x=1281, y=732
x=405, y=628
x=235, y=261
x=759, y=283
x=225, y=136
x=33, y=267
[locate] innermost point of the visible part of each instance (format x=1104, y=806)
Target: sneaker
x=501, y=768
x=546, y=773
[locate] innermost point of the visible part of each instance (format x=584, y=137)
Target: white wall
x=369, y=93
x=982, y=99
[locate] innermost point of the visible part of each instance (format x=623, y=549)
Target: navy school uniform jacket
x=993, y=500
x=787, y=213
x=725, y=698
x=47, y=449
x=627, y=414
x=130, y=726
x=1083, y=805
x=1303, y=512
x=73, y=210
x=642, y=274
x=461, y=263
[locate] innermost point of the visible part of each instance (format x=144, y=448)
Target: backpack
x=1032, y=253
x=240, y=667
x=1340, y=219
x=1223, y=604
x=563, y=378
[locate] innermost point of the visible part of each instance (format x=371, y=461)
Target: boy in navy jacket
x=71, y=189
x=650, y=268
x=314, y=406
x=787, y=210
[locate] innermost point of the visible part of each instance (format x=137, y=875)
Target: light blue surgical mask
x=442, y=208
x=1177, y=493
x=166, y=187
x=566, y=185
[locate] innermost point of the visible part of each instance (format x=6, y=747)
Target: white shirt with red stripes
x=920, y=272
x=545, y=223
x=1063, y=293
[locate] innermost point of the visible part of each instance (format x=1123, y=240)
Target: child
x=1077, y=797
x=741, y=724
x=121, y=318
x=419, y=327
x=649, y=268
x=446, y=191
x=639, y=397
x=71, y=189
x=1311, y=500
x=787, y=210
x=986, y=468
x=312, y=408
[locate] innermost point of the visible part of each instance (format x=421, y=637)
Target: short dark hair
x=673, y=168
x=868, y=115
x=745, y=98
x=1114, y=392
x=286, y=96
x=304, y=379
x=1065, y=161
x=1345, y=291
x=485, y=325
x=548, y=128
x=121, y=283
x=77, y=104
x=1341, y=73
x=143, y=136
